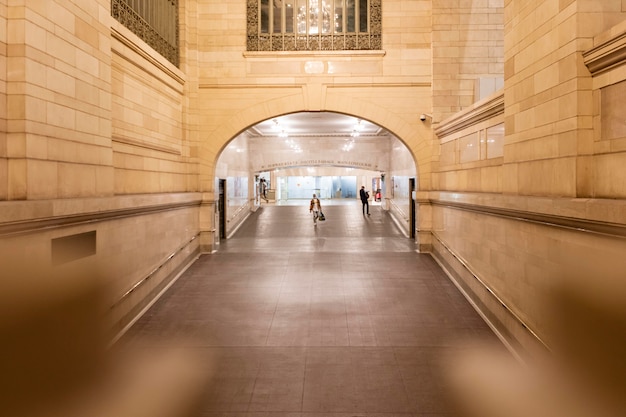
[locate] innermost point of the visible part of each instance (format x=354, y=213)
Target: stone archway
x=412, y=133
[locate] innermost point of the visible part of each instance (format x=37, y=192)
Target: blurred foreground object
x=53, y=357
x=583, y=376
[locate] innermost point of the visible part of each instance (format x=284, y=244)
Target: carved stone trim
x=607, y=55
x=93, y=216
x=256, y=41
x=124, y=13
x=614, y=230
x=132, y=46
x=483, y=110
x=145, y=145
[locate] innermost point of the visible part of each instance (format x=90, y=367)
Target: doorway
x=221, y=208
x=412, y=207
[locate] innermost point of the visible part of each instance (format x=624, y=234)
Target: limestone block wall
x=467, y=47
x=4, y=163
x=150, y=151
x=509, y=253
x=58, y=108
x=557, y=208
x=549, y=96
x=238, y=89
x=134, y=245
x=95, y=164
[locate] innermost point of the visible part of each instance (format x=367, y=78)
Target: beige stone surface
x=93, y=120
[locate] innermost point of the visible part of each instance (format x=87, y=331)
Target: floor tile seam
x=276, y=304
x=330, y=250
x=278, y=300
x=260, y=347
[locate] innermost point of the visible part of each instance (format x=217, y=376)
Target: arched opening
x=287, y=158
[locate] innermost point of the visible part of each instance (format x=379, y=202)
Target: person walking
x=365, y=200
x=316, y=208
x=264, y=190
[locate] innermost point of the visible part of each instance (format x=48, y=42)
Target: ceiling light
x=348, y=145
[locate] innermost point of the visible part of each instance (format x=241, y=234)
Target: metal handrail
x=397, y=208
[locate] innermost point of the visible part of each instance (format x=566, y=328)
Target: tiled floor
x=342, y=319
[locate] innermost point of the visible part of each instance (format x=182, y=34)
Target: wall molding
x=142, y=144
x=169, y=278
x=607, y=55
x=315, y=54
x=481, y=111
x=520, y=338
x=136, y=45
x=47, y=223
x=615, y=230
x=512, y=331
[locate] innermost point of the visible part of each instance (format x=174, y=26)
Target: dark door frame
x=221, y=207
x=412, y=214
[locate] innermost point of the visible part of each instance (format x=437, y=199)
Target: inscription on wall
x=308, y=162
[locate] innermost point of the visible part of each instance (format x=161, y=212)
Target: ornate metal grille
x=154, y=21
x=314, y=25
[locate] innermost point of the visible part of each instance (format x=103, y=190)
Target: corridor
x=341, y=319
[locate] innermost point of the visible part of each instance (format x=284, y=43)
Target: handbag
x=321, y=217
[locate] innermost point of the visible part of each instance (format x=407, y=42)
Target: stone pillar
x=548, y=94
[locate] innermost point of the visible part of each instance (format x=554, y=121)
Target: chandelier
x=316, y=8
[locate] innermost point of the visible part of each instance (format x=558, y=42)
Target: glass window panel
x=483, y=144
x=350, y=16
x=308, y=17
x=326, y=16
x=301, y=16
x=314, y=17
x=289, y=17
x=265, y=16
x=495, y=141
x=448, y=153
x=338, y=16
x=277, y=16
x=348, y=187
x=301, y=187
x=362, y=15
x=469, y=149
x=612, y=121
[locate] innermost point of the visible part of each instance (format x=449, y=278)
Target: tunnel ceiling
x=316, y=124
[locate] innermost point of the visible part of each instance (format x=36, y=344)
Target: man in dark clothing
x=365, y=200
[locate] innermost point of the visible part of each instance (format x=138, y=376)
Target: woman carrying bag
x=316, y=208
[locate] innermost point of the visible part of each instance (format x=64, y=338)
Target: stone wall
x=58, y=108
x=96, y=166
x=555, y=208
